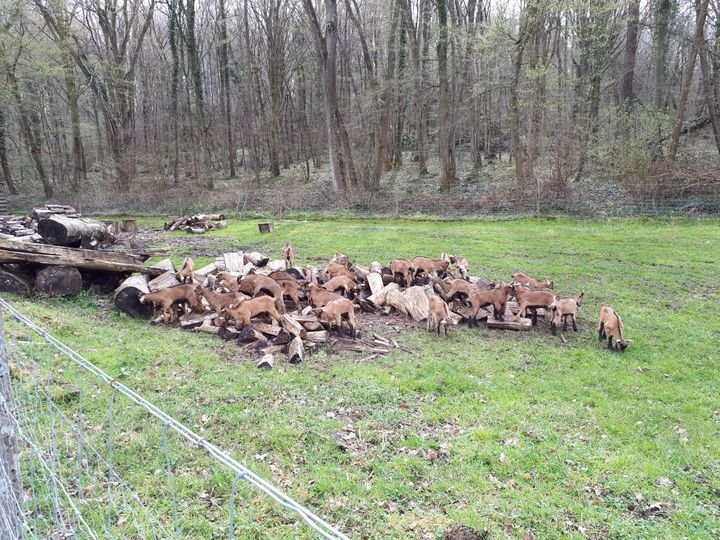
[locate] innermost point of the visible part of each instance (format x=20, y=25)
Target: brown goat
x=497, y=298
x=348, y=285
x=187, y=272
x=288, y=253
x=438, y=316
x=319, y=297
x=563, y=308
x=426, y=265
x=460, y=289
x=334, y=312
x=531, y=299
x=402, y=270
x=290, y=290
x=531, y=282
x=334, y=269
x=253, y=284
x=611, y=327
x=462, y=266
x=218, y=301
x=247, y=309
x=226, y=279
x=173, y=296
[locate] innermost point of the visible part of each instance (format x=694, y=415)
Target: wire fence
x=97, y=460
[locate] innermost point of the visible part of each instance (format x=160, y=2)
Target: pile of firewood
x=197, y=224
x=25, y=227
x=19, y=226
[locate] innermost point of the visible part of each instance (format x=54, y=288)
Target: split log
x=165, y=264
x=258, y=259
x=274, y=266
x=296, y=351
x=378, y=300
x=292, y=326
x=188, y=321
x=61, y=230
x=313, y=326
x=266, y=362
x=394, y=299
x=207, y=326
x=218, y=225
x=522, y=324
x=163, y=281
x=227, y=333
x=233, y=262
x=249, y=267
x=12, y=251
x=207, y=270
x=247, y=335
x=195, y=230
x=127, y=297
x=375, y=282
x=58, y=281
x=416, y=303
x=15, y=281
x=269, y=329
x=283, y=338
x=317, y=337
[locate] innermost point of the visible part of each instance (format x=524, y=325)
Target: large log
x=258, y=259
x=61, y=230
x=15, y=282
x=416, y=303
x=378, y=300
x=12, y=251
x=163, y=281
x=233, y=262
x=127, y=297
x=58, y=281
x=375, y=282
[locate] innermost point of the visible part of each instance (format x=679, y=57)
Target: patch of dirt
x=463, y=532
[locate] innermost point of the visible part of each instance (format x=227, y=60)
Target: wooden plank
x=269, y=329
x=98, y=263
x=317, y=337
x=207, y=270
x=292, y=326
x=522, y=324
x=70, y=253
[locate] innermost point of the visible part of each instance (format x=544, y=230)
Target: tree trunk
x=662, y=23
x=698, y=40
x=58, y=281
x=4, y=164
x=77, y=146
x=627, y=94
x=709, y=94
x=225, y=89
x=445, y=132
x=60, y=230
x=173, y=30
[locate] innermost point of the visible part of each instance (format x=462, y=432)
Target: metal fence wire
x=87, y=444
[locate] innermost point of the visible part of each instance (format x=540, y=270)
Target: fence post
x=11, y=490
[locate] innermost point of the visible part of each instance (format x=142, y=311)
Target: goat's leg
x=574, y=322
x=610, y=346
x=601, y=331
x=564, y=323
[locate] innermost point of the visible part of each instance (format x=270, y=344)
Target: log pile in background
x=197, y=224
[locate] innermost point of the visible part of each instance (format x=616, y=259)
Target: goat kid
x=348, y=285
x=253, y=284
x=402, y=271
x=288, y=253
x=319, y=297
x=438, y=316
x=218, y=301
x=563, y=308
x=531, y=282
x=611, y=327
x=187, y=272
x=497, y=298
x=334, y=313
x=426, y=265
x=245, y=310
x=531, y=299
x=172, y=297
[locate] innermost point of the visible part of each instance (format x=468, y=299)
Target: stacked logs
x=298, y=333
x=197, y=224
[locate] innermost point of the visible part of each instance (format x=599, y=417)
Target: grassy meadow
x=517, y=433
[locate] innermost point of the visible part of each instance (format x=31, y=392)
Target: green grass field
x=509, y=432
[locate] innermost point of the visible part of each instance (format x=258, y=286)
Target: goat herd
x=340, y=288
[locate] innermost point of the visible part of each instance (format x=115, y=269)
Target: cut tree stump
x=296, y=351
x=58, y=281
x=266, y=227
x=61, y=230
x=127, y=297
x=15, y=282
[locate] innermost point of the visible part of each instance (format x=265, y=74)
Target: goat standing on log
x=497, y=298
x=228, y=280
x=187, y=272
x=563, y=308
x=438, y=316
x=179, y=295
x=426, y=265
x=253, y=284
x=218, y=301
x=348, y=285
x=611, y=327
x=531, y=282
x=530, y=299
x=288, y=253
x=334, y=313
x=247, y=309
x=319, y=297
x=402, y=271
